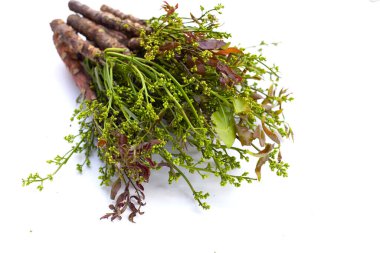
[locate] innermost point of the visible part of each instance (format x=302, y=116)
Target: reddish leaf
x=235, y=78
x=259, y=164
x=131, y=216
x=190, y=37
x=223, y=79
x=115, y=188
x=169, y=45
x=274, y=136
x=132, y=207
x=138, y=200
x=121, y=199
x=245, y=135
x=211, y=44
x=268, y=148
x=114, y=216
x=101, y=143
x=230, y=50
x=169, y=9
x=147, y=145
x=151, y=162
x=256, y=133
x=140, y=186
x=106, y=216
x=144, y=170
x=259, y=134
x=201, y=69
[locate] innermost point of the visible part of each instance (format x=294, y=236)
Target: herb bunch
x=169, y=85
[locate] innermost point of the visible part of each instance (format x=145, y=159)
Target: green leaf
x=224, y=125
x=240, y=105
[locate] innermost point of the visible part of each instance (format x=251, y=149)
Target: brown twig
x=121, y=15
x=82, y=80
x=76, y=43
x=106, y=19
x=94, y=32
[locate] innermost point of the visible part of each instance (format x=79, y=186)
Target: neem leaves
x=183, y=85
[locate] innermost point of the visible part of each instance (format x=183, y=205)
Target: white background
x=329, y=56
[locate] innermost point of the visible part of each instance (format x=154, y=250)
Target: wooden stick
x=81, y=79
x=121, y=15
x=106, y=19
x=76, y=43
x=94, y=32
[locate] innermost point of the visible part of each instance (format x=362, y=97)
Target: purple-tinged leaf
x=115, y=188
x=235, y=78
x=121, y=199
x=138, y=200
x=132, y=207
x=114, y=216
x=140, y=186
x=112, y=207
x=169, y=45
x=106, y=216
x=211, y=44
x=131, y=216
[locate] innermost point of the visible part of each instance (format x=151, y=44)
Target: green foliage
x=191, y=90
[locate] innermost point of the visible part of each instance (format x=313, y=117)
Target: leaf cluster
x=187, y=89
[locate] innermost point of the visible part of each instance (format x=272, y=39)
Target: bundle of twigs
x=152, y=89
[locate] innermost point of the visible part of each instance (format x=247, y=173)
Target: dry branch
x=94, y=32
x=82, y=80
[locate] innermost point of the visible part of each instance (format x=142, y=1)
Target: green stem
x=180, y=108
x=221, y=98
x=182, y=174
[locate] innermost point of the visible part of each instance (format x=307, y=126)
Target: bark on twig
x=121, y=15
x=82, y=80
x=76, y=43
x=106, y=19
x=94, y=32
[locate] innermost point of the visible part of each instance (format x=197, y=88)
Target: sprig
x=186, y=88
